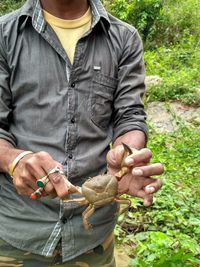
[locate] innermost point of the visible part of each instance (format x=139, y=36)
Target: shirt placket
x=47, y=33
x=64, y=227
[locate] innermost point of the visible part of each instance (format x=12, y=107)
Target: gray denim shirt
x=71, y=111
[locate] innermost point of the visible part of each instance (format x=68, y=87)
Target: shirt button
x=70, y=156
x=73, y=85
x=72, y=120
x=64, y=220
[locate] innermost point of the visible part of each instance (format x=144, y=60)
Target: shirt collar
x=32, y=8
x=99, y=13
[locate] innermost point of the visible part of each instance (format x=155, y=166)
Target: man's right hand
x=35, y=166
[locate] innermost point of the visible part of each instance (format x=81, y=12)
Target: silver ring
x=45, y=179
x=54, y=170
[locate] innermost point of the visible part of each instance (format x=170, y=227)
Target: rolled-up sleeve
x=129, y=111
x=5, y=96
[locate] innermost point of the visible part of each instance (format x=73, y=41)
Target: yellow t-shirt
x=69, y=31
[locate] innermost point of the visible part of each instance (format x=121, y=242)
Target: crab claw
x=127, y=149
x=124, y=169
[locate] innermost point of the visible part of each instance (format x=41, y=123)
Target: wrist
x=135, y=139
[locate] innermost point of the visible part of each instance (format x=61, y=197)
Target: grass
x=9, y=5
x=177, y=66
x=168, y=232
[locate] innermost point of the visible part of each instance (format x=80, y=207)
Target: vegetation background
x=168, y=233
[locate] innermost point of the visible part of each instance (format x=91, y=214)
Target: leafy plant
x=9, y=5
x=178, y=68
x=168, y=233
x=160, y=22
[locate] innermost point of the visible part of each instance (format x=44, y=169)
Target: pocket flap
x=105, y=80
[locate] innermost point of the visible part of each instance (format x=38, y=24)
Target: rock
x=186, y=114
x=167, y=117
x=161, y=120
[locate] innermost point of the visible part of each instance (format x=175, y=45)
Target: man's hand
x=138, y=181
x=33, y=167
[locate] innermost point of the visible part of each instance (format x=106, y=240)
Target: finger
x=32, y=184
x=132, y=184
x=147, y=198
x=25, y=178
x=148, y=201
x=59, y=182
x=33, y=168
x=149, y=170
x=124, y=184
x=38, y=173
x=27, y=191
x=143, y=155
x=22, y=188
x=49, y=188
x=153, y=187
x=114, y=156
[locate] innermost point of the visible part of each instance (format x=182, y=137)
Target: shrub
x=167, y=234
x=178, y=66
x=9, y=5
x=160, y=22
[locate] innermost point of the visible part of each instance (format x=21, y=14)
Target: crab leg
x=81, y=201
x=86, y=214
x=123, y=201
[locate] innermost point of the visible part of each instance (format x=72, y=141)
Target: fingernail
x=150, y=189
x=137, y=172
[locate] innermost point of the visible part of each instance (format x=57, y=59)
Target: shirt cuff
x=124, y=128
x=7, y=136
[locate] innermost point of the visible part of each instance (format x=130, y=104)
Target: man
x=71, y=78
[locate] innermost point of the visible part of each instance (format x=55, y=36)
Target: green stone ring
x=43, y=181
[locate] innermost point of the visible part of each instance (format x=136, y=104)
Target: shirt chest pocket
x=102, y=91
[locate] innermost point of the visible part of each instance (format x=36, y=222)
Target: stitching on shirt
x=49, y=244
x=2, y=45
x=59, y=230
x=50, y=248
x=123, y=24
x=34, y=14
x=96, y=15
x=37, y=19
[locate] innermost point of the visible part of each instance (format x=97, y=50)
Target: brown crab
x=101, y=190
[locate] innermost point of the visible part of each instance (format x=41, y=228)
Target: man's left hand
x=138, y=182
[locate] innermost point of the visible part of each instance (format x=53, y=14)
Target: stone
x=161, y=120
x=167, y=117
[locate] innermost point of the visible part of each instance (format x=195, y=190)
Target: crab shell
x=100, y=190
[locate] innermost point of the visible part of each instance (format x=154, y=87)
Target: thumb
x=115, y=156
